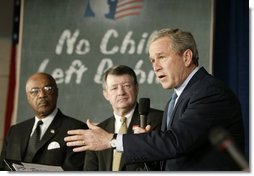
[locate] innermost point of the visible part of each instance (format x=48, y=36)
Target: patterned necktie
x=117, y=155
x=171, y=107
x=33, y=142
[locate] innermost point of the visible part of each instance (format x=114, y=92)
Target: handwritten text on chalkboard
x=71, y=44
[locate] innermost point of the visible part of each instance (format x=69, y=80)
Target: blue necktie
x=171, y=107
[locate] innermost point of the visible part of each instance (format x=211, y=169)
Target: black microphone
x=223, y=141
x=143, y=108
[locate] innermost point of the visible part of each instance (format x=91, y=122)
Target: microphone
x=143, y=108
x=223, y=141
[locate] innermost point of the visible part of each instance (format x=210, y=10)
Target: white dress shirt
x=46, y=122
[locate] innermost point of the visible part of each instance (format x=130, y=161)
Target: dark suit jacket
x=18, y=137
x=102, y=160
x=204, y=104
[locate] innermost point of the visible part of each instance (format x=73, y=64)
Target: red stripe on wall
x=11, y=91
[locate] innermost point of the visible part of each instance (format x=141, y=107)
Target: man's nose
x=156, y=66
x=121, y=89
x=42, y=93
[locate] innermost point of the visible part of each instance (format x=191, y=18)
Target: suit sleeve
x=74, y=161
x=2, y=157
x=155, y=119
x=91, y=162
x=195, y=115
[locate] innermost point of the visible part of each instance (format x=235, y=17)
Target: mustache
x=42, y=101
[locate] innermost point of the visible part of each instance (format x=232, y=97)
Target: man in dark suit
x=200, y=104
x=42, y=94
x=120, y=88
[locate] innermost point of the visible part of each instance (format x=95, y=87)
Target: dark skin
x=44, y=102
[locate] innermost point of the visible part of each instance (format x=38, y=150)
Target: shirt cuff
x=119, y=142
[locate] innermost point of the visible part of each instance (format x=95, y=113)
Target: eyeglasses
x=46, y=89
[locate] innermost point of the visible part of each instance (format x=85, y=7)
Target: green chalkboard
x=77, y=40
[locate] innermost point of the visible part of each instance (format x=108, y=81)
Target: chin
x=165, y=86
x=45, y=111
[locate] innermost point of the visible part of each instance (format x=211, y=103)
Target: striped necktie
x=171, y=107
x=117, y=155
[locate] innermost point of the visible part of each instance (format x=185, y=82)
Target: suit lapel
x=108, y=154
x=196, y=77
x=135, y=121
x=174, y=111
x=26, y=132
x=164, y=119
x=52, y=130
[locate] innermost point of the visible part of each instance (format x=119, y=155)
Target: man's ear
x=187, y=57
x=105, y=94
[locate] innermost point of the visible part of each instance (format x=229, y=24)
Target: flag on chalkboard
x=126, y=8
x=12, y=68
x=117, y=9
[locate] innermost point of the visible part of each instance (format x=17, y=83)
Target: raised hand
x=94, y=139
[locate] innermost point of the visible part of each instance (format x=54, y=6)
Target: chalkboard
x=77, y=40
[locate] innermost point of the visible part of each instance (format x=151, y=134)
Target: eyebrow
x=129, y=82
x=156, y=55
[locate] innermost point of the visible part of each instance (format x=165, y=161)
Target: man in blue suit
x=201, y=103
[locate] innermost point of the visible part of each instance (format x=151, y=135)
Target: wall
x=76, y=42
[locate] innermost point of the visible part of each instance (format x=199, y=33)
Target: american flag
x=126, y=8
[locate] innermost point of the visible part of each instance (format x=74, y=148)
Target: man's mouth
x=161, y=76
x=43, y=103
x=122, y=100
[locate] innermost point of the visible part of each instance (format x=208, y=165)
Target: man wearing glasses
x=41, y=138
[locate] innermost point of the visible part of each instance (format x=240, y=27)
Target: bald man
x=42, y=94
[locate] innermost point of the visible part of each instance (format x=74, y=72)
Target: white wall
x=6, y=13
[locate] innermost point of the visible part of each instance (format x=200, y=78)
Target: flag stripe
x=128, y=14
x=126, y=2
x=128, y=8
x=11, y=90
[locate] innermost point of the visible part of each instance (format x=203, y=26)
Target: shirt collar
x=180, y=89
x=128, y=116
x=46, y=121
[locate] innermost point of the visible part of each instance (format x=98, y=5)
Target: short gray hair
x=180, y=41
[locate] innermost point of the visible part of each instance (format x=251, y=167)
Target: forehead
x=159, y=46
x=118, y=79
x=38, y=81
